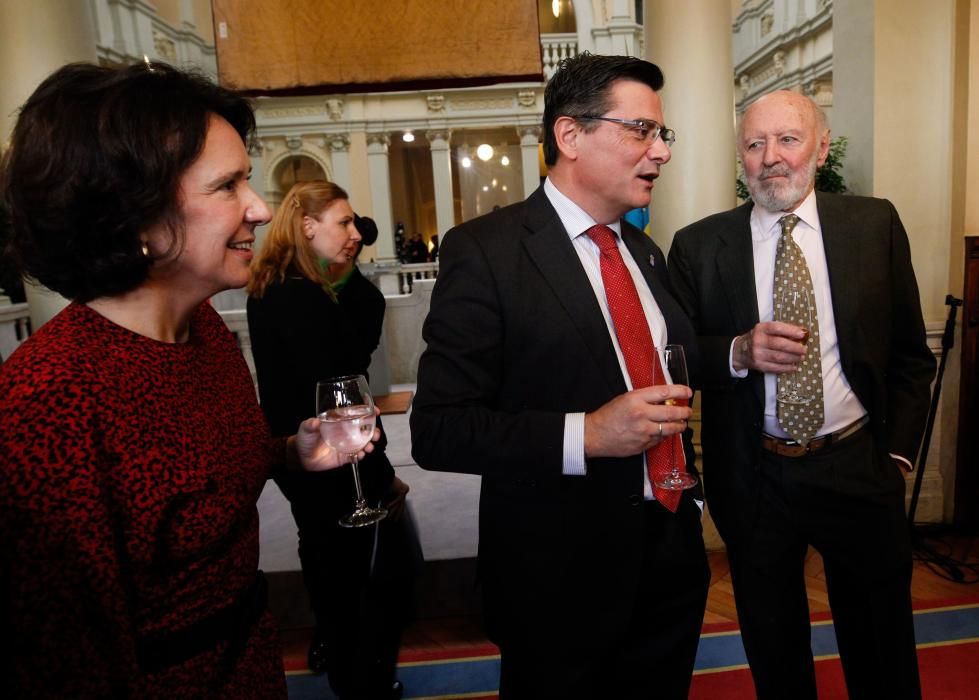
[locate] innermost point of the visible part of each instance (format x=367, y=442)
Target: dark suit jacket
x=516, y=339
x=878, y=322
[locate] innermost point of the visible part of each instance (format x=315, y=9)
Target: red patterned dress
x=129, y=475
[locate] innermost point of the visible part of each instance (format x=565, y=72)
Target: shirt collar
x=575, y=219
x=765, y=223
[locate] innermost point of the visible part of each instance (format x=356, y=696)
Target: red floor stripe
x=454, y=652
x=948, y=672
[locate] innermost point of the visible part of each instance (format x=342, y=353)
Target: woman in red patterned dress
x=133, y=450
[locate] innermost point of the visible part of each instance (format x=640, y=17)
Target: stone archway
x=289, y=165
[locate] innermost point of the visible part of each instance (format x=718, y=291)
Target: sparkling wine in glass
x=346, y=412
x=674, y=363
x=795, y=307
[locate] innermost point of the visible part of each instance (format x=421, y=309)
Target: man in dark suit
x=820, y=462
x=594, y=581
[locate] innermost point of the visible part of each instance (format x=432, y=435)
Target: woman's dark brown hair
x=95, y=159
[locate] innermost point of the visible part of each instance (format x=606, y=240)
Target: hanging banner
x=317, y=46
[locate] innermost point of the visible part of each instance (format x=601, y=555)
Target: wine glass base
x=680, y=482
x=362, y=517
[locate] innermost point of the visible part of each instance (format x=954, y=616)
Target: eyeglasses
x=645, y=130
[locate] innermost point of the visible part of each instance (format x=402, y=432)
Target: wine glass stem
x=361, y=503
x=675, y=472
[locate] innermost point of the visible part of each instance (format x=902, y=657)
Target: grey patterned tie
x=800, y=393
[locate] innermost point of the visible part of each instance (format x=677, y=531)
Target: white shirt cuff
x=739, y=373
x=574, y=445
x=907, y=463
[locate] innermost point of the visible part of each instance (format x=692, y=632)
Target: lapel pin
x=652, y=261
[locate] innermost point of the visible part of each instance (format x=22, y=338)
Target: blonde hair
x=285, y=247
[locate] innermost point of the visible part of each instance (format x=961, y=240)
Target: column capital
x=438, y=137
x=529, y=135
x=338, y=143
x=255, y=147
x=378, y=142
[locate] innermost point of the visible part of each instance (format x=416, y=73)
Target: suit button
x=635, y=499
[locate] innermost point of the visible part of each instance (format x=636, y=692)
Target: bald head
x=782, y=139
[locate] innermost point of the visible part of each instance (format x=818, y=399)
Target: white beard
x=773, y=196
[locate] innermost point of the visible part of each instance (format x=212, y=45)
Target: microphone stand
x=948, y=340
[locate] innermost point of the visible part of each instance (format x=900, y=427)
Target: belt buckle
x=793, y=448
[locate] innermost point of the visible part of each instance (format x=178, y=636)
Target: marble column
x=698, y=102
x=438, y=140
x=339, y=145
x=36, y=38
x=378, y=171
x=529, y=159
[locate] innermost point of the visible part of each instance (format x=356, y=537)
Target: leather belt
x=792, y=448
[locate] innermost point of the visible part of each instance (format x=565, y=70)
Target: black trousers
x=848, y=504
x=655, y=657
x=360, y=581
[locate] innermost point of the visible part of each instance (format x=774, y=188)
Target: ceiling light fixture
x=407, y=136
x=484, y=152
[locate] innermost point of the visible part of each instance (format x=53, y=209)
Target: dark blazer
x=878, y=322
x=516, y=339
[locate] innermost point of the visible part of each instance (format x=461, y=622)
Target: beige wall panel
x=971, y=146
x=913, y=133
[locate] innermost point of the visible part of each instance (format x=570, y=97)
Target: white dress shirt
x=840, y=405
x=576, y=222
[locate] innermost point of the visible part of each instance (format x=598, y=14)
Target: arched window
x=556, y=17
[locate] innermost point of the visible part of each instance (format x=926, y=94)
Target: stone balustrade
x=555, y=48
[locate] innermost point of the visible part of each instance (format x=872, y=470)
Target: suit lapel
x=843, y=266
x=645, y=262
x=736, y=269
x=552, y=252
x=642, y=254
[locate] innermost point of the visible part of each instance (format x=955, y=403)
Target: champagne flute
x=795, y=307
x=674, y=363
x=346, y=412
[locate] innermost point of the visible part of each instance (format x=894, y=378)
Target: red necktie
x=641, y=359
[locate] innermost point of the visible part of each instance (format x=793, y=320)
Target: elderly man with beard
x=814, y=374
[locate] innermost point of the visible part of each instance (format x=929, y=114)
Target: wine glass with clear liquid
x=795, y=307
x=346, y=411
x=674, y=363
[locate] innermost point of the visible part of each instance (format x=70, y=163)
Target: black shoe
x=317, y=657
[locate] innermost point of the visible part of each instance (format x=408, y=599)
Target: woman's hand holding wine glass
x=317, y=455
x=347, y=416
